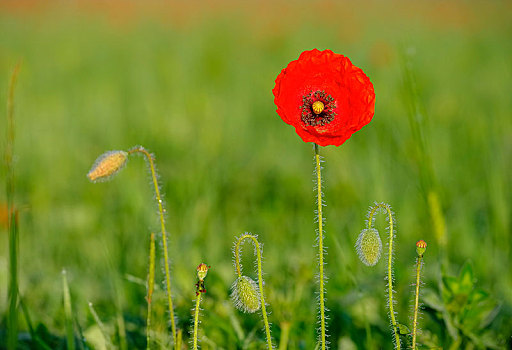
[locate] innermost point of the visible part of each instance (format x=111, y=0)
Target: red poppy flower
x=325, y=97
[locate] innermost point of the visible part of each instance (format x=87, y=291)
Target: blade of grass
x=12, y=318
x=68, y=313
x=35, y=338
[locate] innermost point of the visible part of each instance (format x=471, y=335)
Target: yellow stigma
x=318, y=107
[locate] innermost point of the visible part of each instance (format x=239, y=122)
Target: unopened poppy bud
x=202, y=271
x=246, y=295
x=369, y=246
x=421, y=246
x=107, y=165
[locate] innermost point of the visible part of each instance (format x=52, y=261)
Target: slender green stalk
x=68, y=312
x=285, y=334
x=416, y=302
x=150, y=160
x=101, y=326
x=318, y=170
x=260, y=278
x=417, y=120
x=151, y=286
x=35, y=338
x=372, y=212
x=12, y=223
x=420, y=249
x=196, y=319
x=121, y=327
x=179, y=339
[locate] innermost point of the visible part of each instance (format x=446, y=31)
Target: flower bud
x=107, y=165
x=246, y=295
x=369, y=246
x=421, y=246
x=202, y=271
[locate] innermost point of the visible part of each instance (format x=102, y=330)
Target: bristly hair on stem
x=321, y=248
x=150, y=287
x=421, y=247
x=202, y=271
x=246, y=294
x=107, y=166
x=368, y=248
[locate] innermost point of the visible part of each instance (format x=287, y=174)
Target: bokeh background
x=191, y=81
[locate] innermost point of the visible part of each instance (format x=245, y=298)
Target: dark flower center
x=317, y=108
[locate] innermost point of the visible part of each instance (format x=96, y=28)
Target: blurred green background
x=192, y=83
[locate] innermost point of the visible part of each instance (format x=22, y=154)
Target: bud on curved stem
x=369, y=246
x=245, y=292
x=108, y=165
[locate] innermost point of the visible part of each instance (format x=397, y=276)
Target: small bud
x=421, y=246
x=246, y=295
x=107, y=165
x=369, y=246
x=202, y=271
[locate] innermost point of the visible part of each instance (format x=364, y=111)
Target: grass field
x=193, y=84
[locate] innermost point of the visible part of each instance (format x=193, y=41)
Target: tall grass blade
x=68, y=312
x=12, y=316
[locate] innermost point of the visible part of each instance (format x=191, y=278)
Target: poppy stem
x=150, y=288
x=196, y=320
x=391, y=303
x=318, y=170
x=158, y=197
x=420, y=249
x=257, y=247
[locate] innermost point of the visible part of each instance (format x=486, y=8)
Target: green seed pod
x=369, y=246
x=246, y=295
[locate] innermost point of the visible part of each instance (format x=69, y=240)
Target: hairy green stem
x=318, y=170
x=151, y=285
x=416, y=301
x=260, y=278
x=386, y=207
x=196, y=320
x=150, y=160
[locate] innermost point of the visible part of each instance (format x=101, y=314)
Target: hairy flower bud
x=202, y=271
x=421, y=247
x=107, y=165
x=369, y=246
x=246, y=294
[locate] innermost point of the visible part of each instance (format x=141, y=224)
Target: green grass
x=193, y=85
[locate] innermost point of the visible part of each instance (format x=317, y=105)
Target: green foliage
x=465, y=310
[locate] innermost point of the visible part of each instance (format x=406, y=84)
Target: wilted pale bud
x=107, y=165
x=246, y=294
x=369, y=246
x=421, y=246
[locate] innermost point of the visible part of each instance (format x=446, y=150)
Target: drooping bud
x=246, y=294
x=107, y=165
x=369, y=246
x=421, y=247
